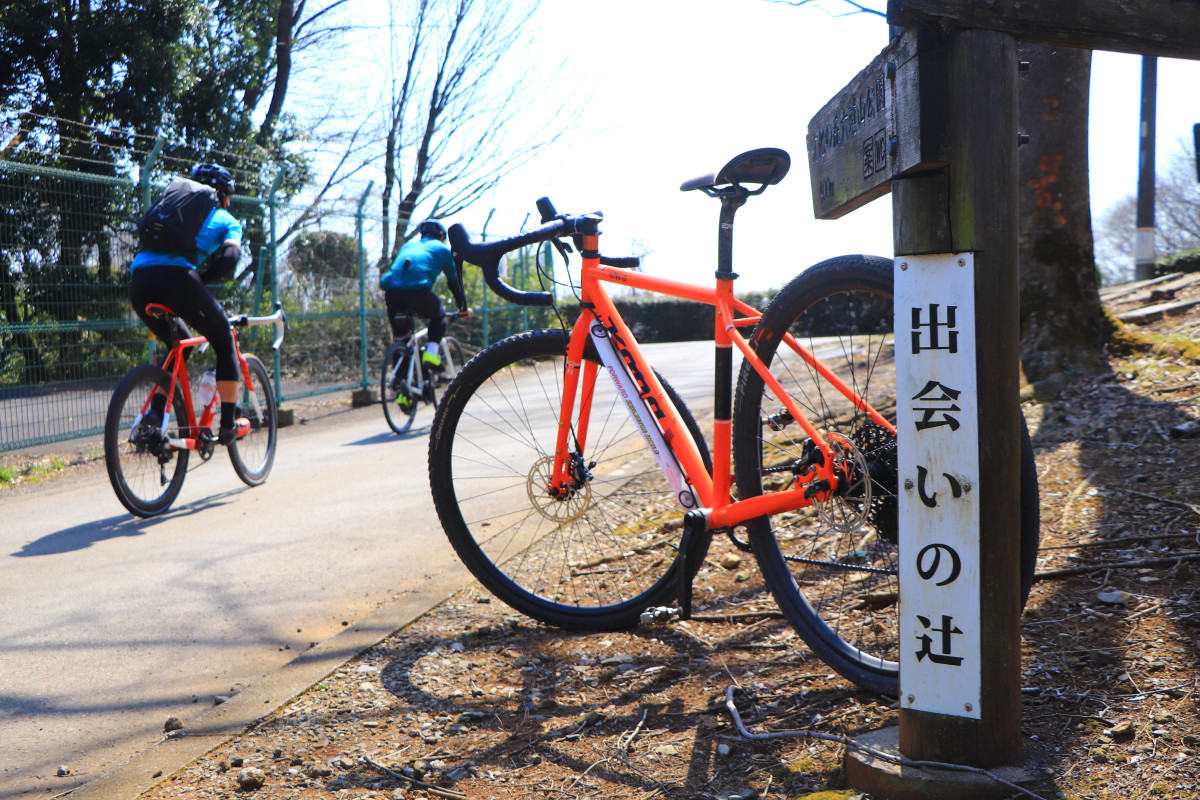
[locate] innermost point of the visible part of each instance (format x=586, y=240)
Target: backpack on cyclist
x=172, y=222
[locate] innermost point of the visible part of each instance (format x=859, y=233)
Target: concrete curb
x=159, y=762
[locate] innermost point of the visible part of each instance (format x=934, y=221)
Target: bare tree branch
x=859, y=7
x=453, y=109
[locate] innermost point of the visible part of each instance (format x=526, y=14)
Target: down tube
x=684, y=492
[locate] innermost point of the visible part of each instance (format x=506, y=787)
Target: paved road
x=111, y=624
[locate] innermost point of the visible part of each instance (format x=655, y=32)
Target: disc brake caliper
x=580, y=472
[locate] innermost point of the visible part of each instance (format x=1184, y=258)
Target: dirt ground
x=474, y=701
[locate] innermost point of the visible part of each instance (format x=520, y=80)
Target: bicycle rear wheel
x=144, y=471
x=254, y=454
x=393, y=387
x=833, y=567
x=593, y=561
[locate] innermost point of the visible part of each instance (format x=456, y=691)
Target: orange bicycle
x=147, y=462
x=582, y=502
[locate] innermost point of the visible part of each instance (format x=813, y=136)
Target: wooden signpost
x=871, y=131
x=933, y=119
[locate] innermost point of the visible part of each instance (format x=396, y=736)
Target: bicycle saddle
x=765, y=166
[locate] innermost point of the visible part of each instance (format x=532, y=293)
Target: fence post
x=144, y=183
x=362, y=280
x=521, y=283
x=258, y=278
x=151, y=157
x=487, y=331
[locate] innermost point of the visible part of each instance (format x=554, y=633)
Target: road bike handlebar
x=278, y=319
x=487, y=255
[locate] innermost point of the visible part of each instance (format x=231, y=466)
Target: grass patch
x=11, y=474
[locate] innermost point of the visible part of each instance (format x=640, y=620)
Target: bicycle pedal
x=658, y=615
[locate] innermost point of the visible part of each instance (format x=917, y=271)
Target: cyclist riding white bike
x=408, y=288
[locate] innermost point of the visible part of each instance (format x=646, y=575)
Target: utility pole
x=1143, y=237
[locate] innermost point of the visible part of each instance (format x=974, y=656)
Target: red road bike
x=147, y=459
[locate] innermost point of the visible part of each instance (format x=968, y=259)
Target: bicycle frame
x=176, y=366
x=653, y=412
x=415, y=343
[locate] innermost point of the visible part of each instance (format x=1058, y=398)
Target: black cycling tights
x=402, y=304
x=182, y=291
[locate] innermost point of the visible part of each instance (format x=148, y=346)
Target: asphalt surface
x=111, y=624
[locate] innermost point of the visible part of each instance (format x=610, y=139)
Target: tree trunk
x=284, y=22
x=1063, y=328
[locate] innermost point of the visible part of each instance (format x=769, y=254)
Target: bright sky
x=671, y=89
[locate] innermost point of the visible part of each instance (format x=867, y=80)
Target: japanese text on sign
x=938, y=444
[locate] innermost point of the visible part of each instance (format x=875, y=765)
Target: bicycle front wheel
x=399, y=407
x=833, y=567
x=591, y=561
x=254, y=454
x=145, y=472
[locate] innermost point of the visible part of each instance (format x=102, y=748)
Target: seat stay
x=837, y=383
x=723, y=511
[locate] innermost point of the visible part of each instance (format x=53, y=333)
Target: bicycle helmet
x=431, y=227
x=215, y=176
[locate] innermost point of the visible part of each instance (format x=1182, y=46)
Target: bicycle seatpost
x=732, y=198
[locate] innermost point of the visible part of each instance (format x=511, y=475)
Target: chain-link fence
x=68, y=333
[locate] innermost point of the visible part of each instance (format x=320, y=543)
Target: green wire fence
x=68, y=333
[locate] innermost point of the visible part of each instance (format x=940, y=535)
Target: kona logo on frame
x=642, y=386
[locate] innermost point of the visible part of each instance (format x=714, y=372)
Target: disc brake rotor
x=849, y=507
x=568, y=508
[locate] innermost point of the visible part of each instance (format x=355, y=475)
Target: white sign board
x=937, y=420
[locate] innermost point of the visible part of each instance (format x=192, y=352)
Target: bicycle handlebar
x=487, y=255
x=278, y=319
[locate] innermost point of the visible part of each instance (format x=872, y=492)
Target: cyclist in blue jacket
x=408, y=288
x=174, y=280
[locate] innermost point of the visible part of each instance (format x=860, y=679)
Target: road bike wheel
x=398, y=419
x=833, y=566
x=593, y=561
x=254, y=454
x=144, y=471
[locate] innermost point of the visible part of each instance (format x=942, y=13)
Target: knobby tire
x=833, y=567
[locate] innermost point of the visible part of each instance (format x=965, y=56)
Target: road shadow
x=384, y=438
x=84, y=535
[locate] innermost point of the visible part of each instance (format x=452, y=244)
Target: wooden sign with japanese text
x=872, y=130
x=937, y=419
